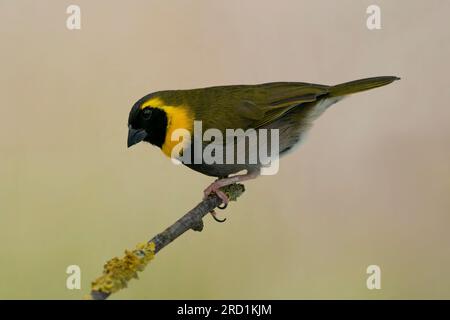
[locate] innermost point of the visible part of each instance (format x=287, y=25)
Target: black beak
x=135, y=136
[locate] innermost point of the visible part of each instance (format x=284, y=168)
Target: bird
x=289, y=107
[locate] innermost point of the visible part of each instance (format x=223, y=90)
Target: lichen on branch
x=118, y=272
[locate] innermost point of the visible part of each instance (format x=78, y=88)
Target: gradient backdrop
x=370, y=186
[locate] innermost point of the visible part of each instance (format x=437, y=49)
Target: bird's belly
x=220, y=170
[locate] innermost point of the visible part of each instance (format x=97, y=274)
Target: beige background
x=370, y=186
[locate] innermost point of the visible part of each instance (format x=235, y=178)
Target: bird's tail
x=351, y=87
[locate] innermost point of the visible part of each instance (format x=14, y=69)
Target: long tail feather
x=351, y=87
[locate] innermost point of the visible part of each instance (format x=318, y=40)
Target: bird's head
x=146, y=123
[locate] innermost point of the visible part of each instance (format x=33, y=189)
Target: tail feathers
x=351, y=87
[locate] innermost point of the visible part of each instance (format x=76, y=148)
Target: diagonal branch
x=118, y=272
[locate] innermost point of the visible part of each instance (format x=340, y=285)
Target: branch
x=118, y=272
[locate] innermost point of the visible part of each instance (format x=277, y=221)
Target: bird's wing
x=281, y=97
x=245, y=107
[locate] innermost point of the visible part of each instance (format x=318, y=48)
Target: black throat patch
x=156, y=127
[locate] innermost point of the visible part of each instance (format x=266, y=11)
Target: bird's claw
x=223, y=206
x=214, y=215
x=213, y=188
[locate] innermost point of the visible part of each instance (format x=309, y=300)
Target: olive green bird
x=290, y=107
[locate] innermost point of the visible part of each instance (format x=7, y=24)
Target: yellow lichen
x=118, y=272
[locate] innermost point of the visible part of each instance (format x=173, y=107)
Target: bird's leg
x=222, y=182
x=219, y=183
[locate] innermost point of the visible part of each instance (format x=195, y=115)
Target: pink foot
x=215, y=188
x=216, y=185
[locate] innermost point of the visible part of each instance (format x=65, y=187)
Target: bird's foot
x=223, y=182
x=215, y=188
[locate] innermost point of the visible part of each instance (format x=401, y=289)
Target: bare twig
x=117, y=272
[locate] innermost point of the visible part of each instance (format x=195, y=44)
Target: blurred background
x=370, y=186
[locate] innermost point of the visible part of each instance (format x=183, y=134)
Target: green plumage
x=253, y=106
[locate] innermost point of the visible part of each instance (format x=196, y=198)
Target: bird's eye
x=146, y=113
